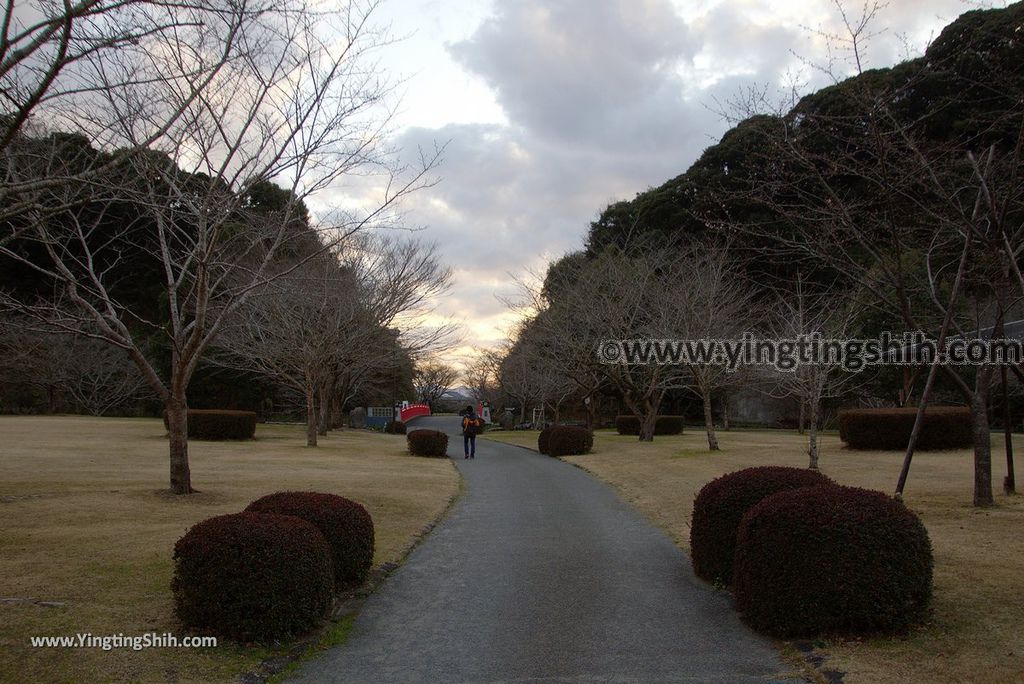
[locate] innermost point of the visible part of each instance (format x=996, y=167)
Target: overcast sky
x=551, y=109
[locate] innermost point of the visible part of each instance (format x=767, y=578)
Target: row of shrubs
x=663, y=425
x=944, y=427
x=565, y=440
x=805, y=556
x=219, y=424
x=271, y=571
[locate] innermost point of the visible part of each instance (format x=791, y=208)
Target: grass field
x=977, y=631
x=86, y=521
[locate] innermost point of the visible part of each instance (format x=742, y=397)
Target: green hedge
x=394, y=427
x=832, y=561
x=720, y=506
x=945, y=427
x=663, y=425
x=345, y=524
x=430, y=443
x=252, y=576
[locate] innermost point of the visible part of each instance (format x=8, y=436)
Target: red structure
x=413, y=411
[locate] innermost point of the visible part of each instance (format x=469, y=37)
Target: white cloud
x=553, y=108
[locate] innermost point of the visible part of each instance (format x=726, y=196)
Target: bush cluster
x=945, y=427
x=832, y=560
x=568, y=440
x=345, y=524
x=395, y=427
x=720, y=506
x=430, y=443
x=218, y=424
x=663, y=425
x=252, y=576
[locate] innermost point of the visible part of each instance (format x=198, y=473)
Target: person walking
x=471, y=425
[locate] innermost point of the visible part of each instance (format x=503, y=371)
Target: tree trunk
x=558, y=412
x=1009, y=482
x=709, y=421
x=812, y=440
x=591, y=410
x=802, y=420
x=648, y=421
x=177, y=429
x=982, y=439
x=725, y=413
x=311, y=416
x=324, y=412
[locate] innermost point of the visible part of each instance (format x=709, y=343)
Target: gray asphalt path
x=540, y=573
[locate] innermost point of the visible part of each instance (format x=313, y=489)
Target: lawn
x=976, y=632
x=86, y=522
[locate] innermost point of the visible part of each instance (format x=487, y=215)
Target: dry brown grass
x=85, y=520
x=977, y=631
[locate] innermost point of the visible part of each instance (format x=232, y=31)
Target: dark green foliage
x=945, y=427
x=345, y=524
x=720, y=506
x=663, y=425
x=252, y=576
x=395, y=427
x=832, y=560
x=569, y=440
x=216, y=424
x=431, y=443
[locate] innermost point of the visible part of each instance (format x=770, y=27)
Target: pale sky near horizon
x=551, y=109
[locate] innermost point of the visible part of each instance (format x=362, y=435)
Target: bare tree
x=432, y=381
x=292, y=103
x=716, y=303
x=294, y=329
x=325, y=326
x=829, y=315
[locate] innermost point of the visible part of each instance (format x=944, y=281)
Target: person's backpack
x=472, y=426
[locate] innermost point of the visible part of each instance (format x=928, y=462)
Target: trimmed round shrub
x=430, y=443
x=542, y=439
x=569, y=440
x=395, y=427
x=720, y=506
x=252, y=576
x=217, y=424
x=832, y=560
x=663, y=425
x=345, y=524
x=945, y=427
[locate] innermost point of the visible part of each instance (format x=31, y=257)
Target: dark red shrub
x=663, y=425
x=569, y=440
x=720, y=506
x=345, y=524
x=832, y=560
x=944, y=427
x=542, y=439
x=430, y=443
x=395, y=427
x=252, y=576
x=217, y=424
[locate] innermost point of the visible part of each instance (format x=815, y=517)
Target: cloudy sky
x=551, y=109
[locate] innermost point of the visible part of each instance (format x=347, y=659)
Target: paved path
x=540, y=573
